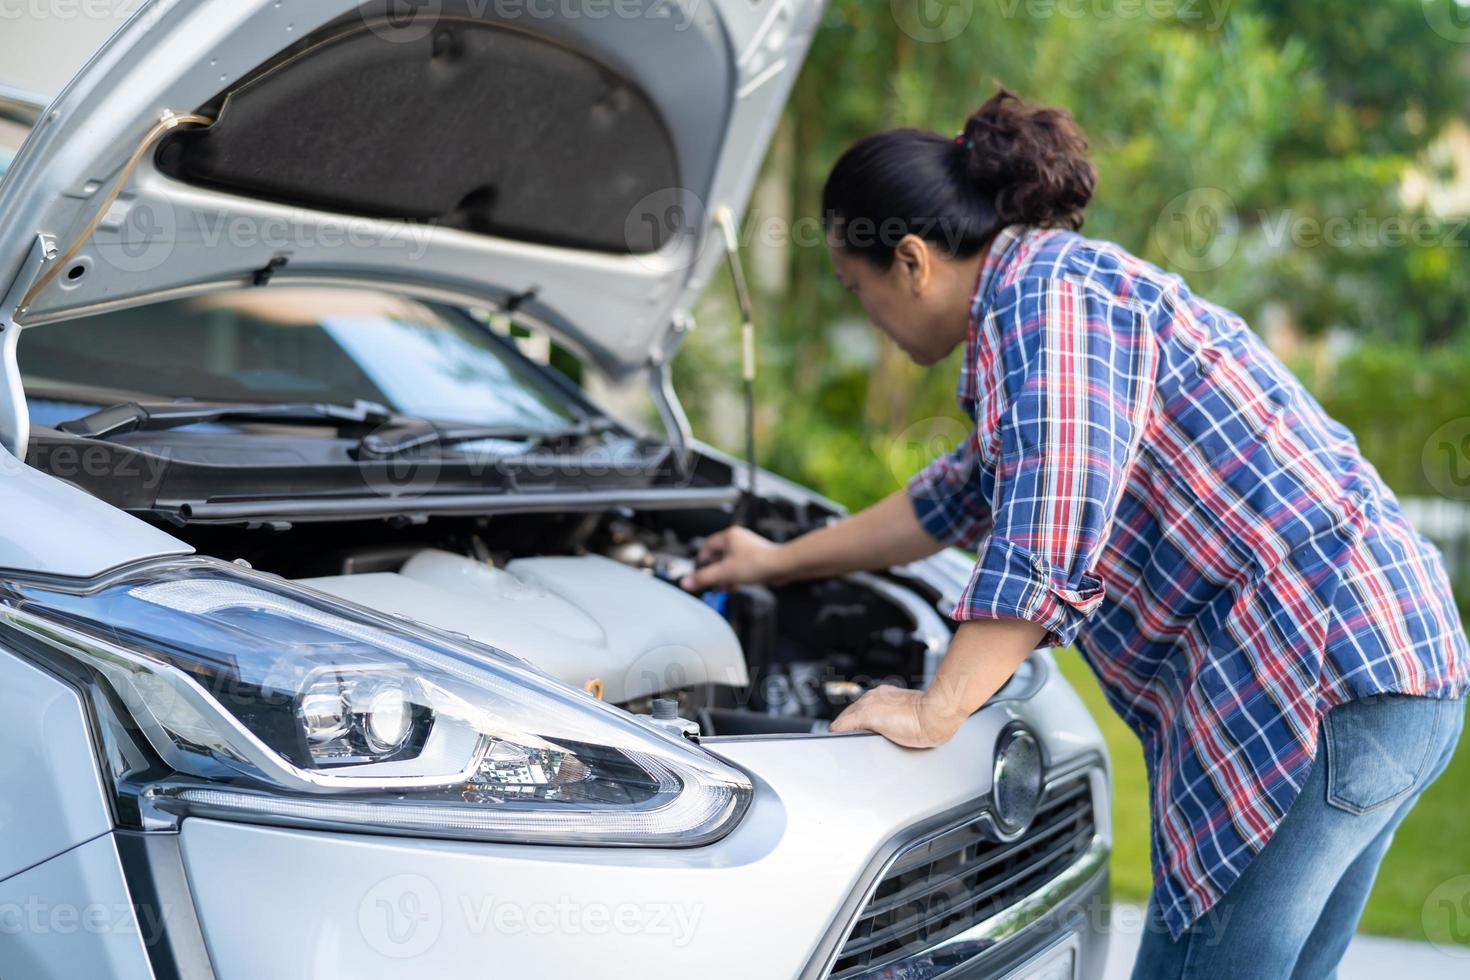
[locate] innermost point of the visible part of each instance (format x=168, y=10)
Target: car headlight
x=275, y=703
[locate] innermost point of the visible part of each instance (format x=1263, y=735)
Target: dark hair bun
x=1032, y=159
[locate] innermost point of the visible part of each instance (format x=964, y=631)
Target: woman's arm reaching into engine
x=886, y=534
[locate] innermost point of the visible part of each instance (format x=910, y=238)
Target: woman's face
x=921, y=302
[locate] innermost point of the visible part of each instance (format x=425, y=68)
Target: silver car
x=340, y=638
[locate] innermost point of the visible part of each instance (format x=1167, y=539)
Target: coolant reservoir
x=579, y=619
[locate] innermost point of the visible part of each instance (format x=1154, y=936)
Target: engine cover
x=579, y=619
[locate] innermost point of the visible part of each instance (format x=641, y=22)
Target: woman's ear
x=914, y=263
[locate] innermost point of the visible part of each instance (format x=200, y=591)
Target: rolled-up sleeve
x=1063, y=406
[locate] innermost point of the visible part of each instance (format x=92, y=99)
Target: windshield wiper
x=392, y=434
x=127, y=417
x=408, y=434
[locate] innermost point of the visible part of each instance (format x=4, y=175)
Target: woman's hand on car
x=901, y=715
x=981, y=658
x=735, y=557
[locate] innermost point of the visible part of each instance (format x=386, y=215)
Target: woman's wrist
x=939, y=716
x=782, y=563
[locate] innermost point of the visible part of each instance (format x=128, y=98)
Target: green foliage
x=1298, y=121
x=1394, y=398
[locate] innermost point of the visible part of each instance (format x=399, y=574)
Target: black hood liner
x=473, y=126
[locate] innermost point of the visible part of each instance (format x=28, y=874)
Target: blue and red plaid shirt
x=1146, y=480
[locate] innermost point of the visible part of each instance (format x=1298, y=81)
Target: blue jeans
x=1294, y=909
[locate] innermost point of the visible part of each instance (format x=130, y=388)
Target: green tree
x=1256, y=146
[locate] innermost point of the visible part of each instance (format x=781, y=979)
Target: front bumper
x=773, y=899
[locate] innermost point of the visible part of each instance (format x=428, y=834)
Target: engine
x=586, y=620
x=593, y=600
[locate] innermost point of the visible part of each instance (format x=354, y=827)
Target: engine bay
x=593, y=600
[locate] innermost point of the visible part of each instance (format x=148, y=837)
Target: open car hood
x=563, y=159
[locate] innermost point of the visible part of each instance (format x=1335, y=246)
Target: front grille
x=963, y=876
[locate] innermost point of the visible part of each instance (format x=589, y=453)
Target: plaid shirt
x=1147, y=481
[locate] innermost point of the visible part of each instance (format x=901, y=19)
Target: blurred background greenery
x=1307, y=165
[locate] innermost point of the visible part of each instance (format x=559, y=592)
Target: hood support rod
x=671, y=415
x=15, y=413
x=725, y=218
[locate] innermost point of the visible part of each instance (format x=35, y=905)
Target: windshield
x=289, y=344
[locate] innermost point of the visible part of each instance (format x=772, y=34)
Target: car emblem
x=1016, y=785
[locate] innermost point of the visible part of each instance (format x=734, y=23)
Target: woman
x=1145, y=481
